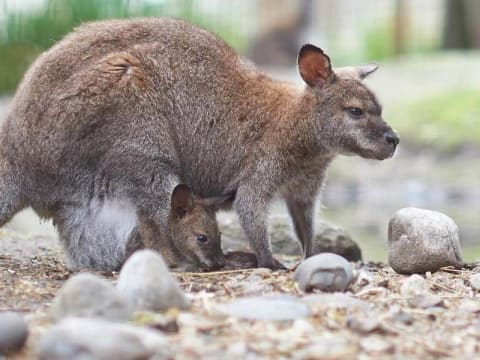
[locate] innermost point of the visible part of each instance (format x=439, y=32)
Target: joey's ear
x=217, y=202
x=365, y=70
x=314, y=66
x=182, y=200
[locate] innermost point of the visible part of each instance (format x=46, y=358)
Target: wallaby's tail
x=11, y=199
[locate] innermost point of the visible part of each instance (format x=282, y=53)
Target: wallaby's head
x=348, y=118
x=194, y=230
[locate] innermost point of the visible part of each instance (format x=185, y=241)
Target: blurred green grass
x=27, y=34
x=445, y=122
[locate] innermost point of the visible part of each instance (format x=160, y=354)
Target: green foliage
x=444, y=122
x=25, y=35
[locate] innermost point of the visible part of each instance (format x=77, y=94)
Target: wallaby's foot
x=273, y=264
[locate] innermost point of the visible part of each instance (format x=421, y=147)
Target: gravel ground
x=386, y=323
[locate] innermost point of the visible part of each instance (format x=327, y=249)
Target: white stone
x=13, y=332
x=326, y=272
x=87, y=295
x=84, y=339
x=148, y=285
x=422, y=240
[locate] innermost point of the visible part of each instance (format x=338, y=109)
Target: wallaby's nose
x=392, y=138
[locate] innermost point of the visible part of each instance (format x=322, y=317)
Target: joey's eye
x=202, y=238
x=355, y=111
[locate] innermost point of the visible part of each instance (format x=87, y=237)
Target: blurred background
x=428, y=82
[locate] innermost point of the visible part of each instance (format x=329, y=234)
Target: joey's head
x=194, y=230
x=347, y=116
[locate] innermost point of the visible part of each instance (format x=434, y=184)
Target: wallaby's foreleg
x=11, y=197
x=301, y=211
x=301, y=197
x=252, y=210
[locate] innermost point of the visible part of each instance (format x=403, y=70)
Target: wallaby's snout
x=392, y=138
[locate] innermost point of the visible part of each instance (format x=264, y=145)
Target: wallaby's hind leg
x=11, y=197
x=96, y=236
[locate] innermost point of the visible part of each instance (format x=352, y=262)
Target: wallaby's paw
x=274, y=264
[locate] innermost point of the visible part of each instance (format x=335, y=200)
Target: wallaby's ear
x=365, y=70
x=314, y=66
x=217, y=202
x=182, y=200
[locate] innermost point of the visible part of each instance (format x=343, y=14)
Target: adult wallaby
x=124, y=110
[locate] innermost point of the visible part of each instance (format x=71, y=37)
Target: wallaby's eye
x=202, y=238
x=355, y=111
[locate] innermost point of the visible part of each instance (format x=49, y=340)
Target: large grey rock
x=13, y=332
x=148, y=285
x=422, y=240
x=326, y=272
x=87, y=295
x=96, y=339
x=330, y=238
x=280, y=307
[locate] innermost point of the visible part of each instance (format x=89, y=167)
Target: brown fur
x=128, y=109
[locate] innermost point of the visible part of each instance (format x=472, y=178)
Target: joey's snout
x=214, y=264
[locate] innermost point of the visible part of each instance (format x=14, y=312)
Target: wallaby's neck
x=287, y=115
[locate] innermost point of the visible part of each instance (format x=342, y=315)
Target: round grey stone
x=326, y=272
x=87, y=295
x=13, y=332
x=148, y=285
x=85, y=339
x=422, y=240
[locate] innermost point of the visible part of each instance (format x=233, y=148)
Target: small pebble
x=147, y=283
x=13, y=332
x=281, y=307
x=422, y=240
x=87, y=295
x=475, y=281
x=335, y=300
x=326, y=272
x=82, y=339
x=425, y=301
x=414, y=285
x=376, y=345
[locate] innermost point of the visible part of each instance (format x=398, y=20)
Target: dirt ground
x=384, y=324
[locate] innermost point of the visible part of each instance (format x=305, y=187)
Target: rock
x=335, y=300
x=414, y=285
x=280, y=307
x=84, y=339
x=328, y=347
x=364, y=323
x=330, y=238
x=146, y=282
x=13, y=332
x=396, y=313
x=422, y=240
x=425, y=301
x=254, y=285
x=376, y=345
x=327, y=272
x=87, y=295
x=475, y=281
